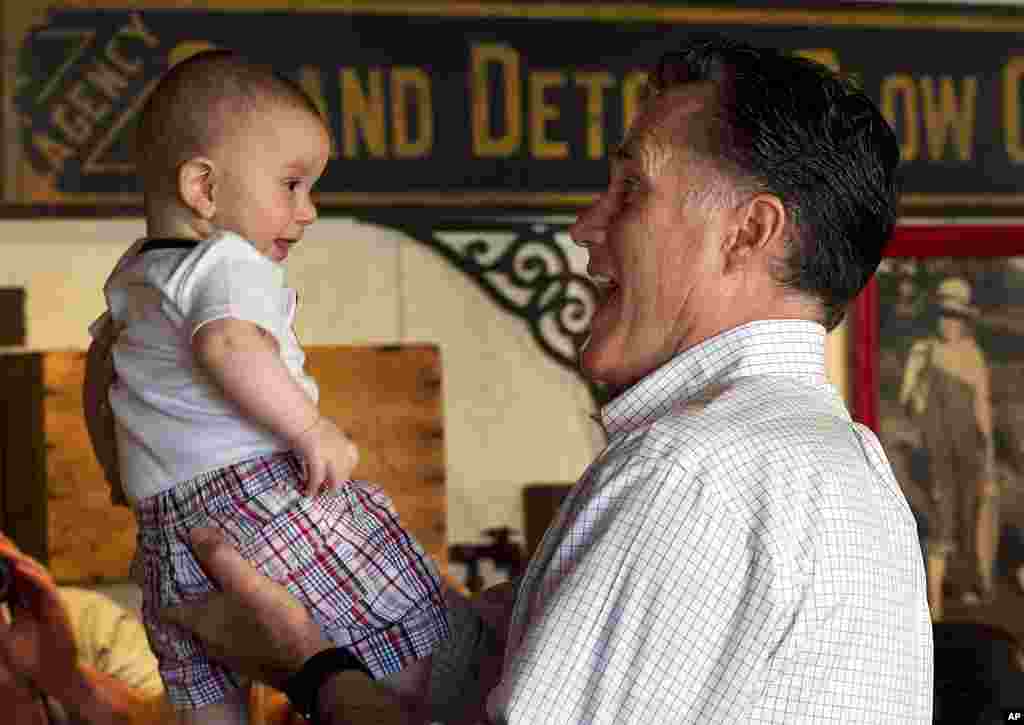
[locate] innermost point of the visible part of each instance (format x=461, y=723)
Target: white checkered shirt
x=740, y=552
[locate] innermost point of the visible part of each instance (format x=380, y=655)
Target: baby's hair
x=199, y=100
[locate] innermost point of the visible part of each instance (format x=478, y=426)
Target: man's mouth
x=605, y=285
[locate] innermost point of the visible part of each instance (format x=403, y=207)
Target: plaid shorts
x=343, y=554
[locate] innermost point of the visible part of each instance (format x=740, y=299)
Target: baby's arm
x=243, y=360
x=99, y=419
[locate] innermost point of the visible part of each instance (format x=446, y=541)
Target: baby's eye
x=292, y=184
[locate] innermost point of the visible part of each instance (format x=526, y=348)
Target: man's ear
x=760, y=227
x=195, y=186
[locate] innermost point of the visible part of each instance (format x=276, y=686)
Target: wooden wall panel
x=55, y=502
x=88, y=538
x=22, y=453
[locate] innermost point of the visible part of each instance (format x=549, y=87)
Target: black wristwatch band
x=303, y=687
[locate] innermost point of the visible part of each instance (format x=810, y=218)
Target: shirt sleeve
x=659, y=606
x=231, y=279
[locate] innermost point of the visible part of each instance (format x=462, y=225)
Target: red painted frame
x=913, y=240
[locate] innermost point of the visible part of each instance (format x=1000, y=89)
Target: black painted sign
x=499, y=108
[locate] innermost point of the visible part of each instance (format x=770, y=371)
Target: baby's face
x=264, y=176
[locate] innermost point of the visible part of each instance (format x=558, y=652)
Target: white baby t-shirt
x=173, y=423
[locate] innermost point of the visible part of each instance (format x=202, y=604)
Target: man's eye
x=630, y=185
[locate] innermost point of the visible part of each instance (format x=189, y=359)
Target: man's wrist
x=349, y=697
x=325, y=704
x=301, y=650
x=304, y=686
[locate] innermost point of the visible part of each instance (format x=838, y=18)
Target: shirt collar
x=794, y=348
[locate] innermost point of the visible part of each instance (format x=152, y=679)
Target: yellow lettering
x=595, y=85
x=55, y=152
x=943, y=113
x=309, y=79
x=123, y=64
x=185, y=50
x=75, y=127
x=108, y=80
x=541, y=113
x=484, y=143
x=83, y=99
x=136, y=29
x=826, y=56
x=410, y=88
x=895, y=88
x=632, y=92
x=365, y=111
x=1012, y=75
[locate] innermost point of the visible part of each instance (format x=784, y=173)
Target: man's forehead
x=687, y=97
x=661, y=119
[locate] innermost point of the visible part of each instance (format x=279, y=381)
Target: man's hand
x=255, y=626
x=328, y=455
x=38, y=645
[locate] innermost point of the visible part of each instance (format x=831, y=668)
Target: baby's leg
x=233, y=711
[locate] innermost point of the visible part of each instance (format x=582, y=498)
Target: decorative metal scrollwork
x=529, y=276
x=523, y=267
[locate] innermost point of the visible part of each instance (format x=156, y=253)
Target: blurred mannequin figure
x=946, y=390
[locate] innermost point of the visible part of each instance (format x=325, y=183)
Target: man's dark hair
x=791, y=127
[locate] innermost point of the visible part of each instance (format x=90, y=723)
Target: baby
x=215, y=420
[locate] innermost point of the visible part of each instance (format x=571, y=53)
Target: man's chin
x=594, y=362
x=606, y=365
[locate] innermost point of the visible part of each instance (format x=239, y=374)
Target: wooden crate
x=55, y=503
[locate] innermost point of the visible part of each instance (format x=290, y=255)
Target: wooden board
x=56, y=503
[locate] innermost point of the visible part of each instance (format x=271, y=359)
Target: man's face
x=265, y=174
x=655, y=244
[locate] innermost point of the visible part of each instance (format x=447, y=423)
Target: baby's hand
x=329, y=457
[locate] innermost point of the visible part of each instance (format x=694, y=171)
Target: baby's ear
x=195, y=186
